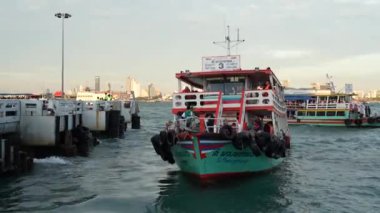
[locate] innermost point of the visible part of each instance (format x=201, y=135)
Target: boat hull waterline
x=218, y=158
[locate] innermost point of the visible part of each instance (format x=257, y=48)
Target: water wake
x=51, y=160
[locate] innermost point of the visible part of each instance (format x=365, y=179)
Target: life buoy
x=227, y=132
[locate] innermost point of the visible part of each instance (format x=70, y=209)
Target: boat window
x=31, y=105
x=300, y=113
x=321, y=113
x=233, y=88
x=310, y=113
x=331, y=113
x=10, y=113
x=215, y=87
x=333, y=99
x=322, y=99
x=340, y=113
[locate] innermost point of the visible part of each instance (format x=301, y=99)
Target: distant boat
x=327, y=108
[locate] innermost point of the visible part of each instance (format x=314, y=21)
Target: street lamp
x=63, y=16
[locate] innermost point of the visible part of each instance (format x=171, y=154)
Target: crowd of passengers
x=190, y=120
x=265, y=86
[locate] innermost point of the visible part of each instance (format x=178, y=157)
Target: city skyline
x=300, y=40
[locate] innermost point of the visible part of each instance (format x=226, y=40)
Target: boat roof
x=196, y=78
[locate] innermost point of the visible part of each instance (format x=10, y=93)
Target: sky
x=151, y=40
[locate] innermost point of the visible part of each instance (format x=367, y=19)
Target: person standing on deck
x=188, y=115
x=186, y=90
x=267, y=85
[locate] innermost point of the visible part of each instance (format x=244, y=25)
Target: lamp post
x=63, y=16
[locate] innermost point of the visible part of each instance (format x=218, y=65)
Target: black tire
x=254, y=148
x=347, y=122
x=371, y=120
x=171, y=137
x=237, y=142
x=156, y=143
x=227, y=132
x=262, y=140
x=358, y=122
x=271, y=149
x=164, y=146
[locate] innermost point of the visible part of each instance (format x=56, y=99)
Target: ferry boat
x=226, y=122
x=327, y=108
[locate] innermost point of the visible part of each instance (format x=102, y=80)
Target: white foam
x=51, y=160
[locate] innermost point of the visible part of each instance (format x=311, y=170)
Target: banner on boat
x=348, y=89
x=211, y=63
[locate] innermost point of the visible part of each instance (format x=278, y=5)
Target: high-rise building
x=97, y=84
x=128, y=84
x=285, y=83
x=144, y=93
x=151, y=91
x=133, y=85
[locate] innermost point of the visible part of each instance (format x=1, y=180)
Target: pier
x=32, y=128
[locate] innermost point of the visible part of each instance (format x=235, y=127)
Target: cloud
x=35, y=4
x=110, y=12
x=289, y=54
x=364, y=2
x=362, y=70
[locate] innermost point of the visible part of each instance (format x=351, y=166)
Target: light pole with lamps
x=63, y=16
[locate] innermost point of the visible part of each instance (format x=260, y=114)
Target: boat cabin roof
x=196, y=78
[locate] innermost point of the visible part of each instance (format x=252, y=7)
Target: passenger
x=210, y=122
x=234, y=128
x=269, y=128
x=267, y=85
x=186, y=90
x=188, y=115
x=258, y=124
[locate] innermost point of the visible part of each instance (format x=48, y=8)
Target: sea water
x=327, y=170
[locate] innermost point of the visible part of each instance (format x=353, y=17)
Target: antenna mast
x=331, y=83
x=227, y=41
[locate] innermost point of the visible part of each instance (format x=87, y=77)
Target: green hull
x=335, y=123
x=217, y=158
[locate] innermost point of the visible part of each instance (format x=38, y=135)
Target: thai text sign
x=231, y=62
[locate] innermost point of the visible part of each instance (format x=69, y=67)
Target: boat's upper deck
x=256, y=89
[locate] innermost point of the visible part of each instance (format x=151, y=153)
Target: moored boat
x=226, y=122
x=327, y=108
